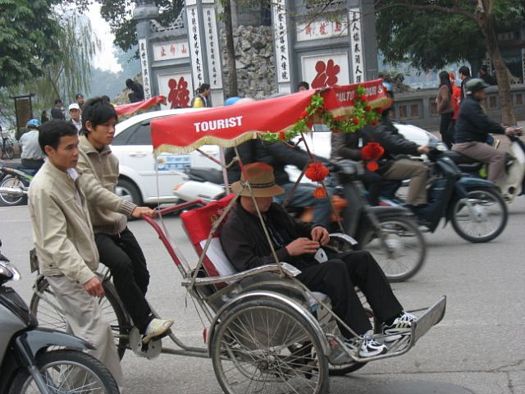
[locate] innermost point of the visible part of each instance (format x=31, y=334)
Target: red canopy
x=129, y=109
x=231, y=125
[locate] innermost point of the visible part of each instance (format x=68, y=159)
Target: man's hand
x=423, y=149
x=513, y=131
x=140, y=212
x=302, y=246
x=320, y=234
x=94, y=287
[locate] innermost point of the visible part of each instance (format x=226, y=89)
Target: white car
x=139, y=179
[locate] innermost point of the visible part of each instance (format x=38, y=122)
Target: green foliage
x=27, y=28
x=429, y=38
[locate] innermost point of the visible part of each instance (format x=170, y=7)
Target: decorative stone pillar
x=144, y=11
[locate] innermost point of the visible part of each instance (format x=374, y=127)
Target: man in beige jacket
x=65, y=243
x=118, y=248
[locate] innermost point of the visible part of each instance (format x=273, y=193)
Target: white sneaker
x=400, y=326
x=369, y=348
x=156, y=328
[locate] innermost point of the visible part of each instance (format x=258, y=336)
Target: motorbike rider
x=394, y=164
x=32, y=155
x=473, y=128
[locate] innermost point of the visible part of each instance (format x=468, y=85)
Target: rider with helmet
x=395, y=165
x=32, y=156
x=473, y=127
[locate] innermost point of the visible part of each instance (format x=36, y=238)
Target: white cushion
x=217, y=257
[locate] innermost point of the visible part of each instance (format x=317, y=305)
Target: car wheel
x=128, y=190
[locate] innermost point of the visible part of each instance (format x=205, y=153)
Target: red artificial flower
x=282, y=135
x=319, y=193
x=356, y=120
x=379, y=110
x=372, y=166
x=372, y=151
x=368, y=108
x=316, y=171
x=374, y=122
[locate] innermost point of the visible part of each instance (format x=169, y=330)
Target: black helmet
x=475, y=84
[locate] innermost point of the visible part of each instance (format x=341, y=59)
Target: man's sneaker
x=369, y=347
x=399, y=327
x=157, y=328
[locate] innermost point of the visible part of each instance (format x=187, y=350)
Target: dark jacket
x=244, y=243
x=276, y=154
x=473, y=124
x=346, y=146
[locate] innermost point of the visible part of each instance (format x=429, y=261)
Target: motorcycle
x=391, y=234
x=513, y=184
x=14, y=178
x=474, y=206
x=34, y=359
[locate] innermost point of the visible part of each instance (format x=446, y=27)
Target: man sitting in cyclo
x=245, y=244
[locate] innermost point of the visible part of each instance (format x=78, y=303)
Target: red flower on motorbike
x=372, y=151
x=316, y=171
x=319, y=193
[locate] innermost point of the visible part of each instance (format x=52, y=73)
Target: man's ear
x=89, y=126
x=48, y=150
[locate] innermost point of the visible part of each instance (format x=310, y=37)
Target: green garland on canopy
x=362, y=115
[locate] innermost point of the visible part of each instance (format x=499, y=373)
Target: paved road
x=478, y=348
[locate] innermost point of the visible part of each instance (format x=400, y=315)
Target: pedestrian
x=79, y=98
x=464, y=75
x=31, y=156
x=202, y=98
x=74, y=116
x=485, y=75
x=302, y=86
x=43, y=117
x=445, y=109
x=65, y=243
x=57, y=112
x=137, y=91
x=117, y=246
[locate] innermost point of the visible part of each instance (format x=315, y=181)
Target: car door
x=135, y=152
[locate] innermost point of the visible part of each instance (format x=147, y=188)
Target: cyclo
x=265, y=330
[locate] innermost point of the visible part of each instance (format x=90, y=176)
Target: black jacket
x=346, y=146
x=473, y=124
x=276, y=154
x=394, y=143
x=244, y=243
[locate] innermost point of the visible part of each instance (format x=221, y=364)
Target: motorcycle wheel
x=479, y=217
x=72, y=370
x=402, y=251
x=14, y=182
x=44, y=306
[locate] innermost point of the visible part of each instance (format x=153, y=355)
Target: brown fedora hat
x=261, y=179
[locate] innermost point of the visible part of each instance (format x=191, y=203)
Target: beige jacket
x=99, y=177
x=62, y=230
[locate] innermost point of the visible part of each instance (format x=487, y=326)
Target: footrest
x=431, y=317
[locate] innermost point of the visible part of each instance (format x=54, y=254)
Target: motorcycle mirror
x=9, y=271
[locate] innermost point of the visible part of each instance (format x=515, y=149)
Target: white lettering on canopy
x=218, y=124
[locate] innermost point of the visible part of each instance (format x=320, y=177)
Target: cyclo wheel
x=479, y=217
x=267, y=345
x=69, y=371
x=44, y=306
x=404, y=251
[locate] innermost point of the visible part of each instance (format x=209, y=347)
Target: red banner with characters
x=229, y=126
x=129, y=109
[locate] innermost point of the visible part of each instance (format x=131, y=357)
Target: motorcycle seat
x=465, y=163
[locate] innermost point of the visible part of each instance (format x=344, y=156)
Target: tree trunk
x=486, y=23
x=230, y=49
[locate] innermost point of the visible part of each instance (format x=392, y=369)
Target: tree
x=447, y=29
x=27, y=32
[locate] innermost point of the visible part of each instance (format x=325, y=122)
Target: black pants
x=123, y=256
x=32, y=164
x=446, y=129
x=337, y=277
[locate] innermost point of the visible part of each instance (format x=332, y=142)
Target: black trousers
x=337, y=277
x=123, y=256
x=446, y=129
